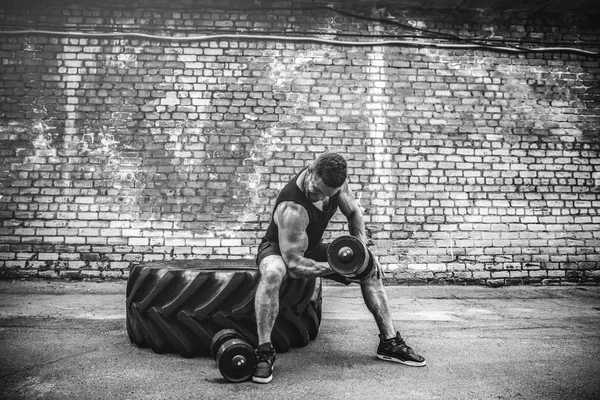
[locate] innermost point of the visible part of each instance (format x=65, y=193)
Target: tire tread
x=178, y=306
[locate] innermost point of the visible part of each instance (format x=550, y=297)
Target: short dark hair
x=332, y=169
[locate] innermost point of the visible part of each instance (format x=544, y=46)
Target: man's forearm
x=356, y=227
x=305, y=267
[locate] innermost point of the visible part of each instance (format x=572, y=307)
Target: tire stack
x=178, y=306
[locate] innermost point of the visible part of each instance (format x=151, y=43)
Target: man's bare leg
x=391, y=346
x=378, y=304
x=266, y=302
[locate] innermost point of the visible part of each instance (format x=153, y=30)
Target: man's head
x=326, y=176
x=331, y=168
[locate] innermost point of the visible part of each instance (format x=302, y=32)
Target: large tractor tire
x=179, y=305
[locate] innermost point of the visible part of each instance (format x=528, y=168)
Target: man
x=292, y=246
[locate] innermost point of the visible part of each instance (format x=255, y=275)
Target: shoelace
x=264, y=356
x=399, y=343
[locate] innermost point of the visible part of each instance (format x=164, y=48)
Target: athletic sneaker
x=265, y=358
x=397, y=350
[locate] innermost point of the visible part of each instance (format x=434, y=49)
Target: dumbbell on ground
x=235, y=358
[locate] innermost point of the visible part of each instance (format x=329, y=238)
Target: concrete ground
x=63, y=340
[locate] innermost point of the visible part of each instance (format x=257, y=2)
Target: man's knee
x=272, y=270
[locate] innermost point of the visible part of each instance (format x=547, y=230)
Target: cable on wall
x=488, y=41
x=379, y=36
x=193, y=38
x=439, y=35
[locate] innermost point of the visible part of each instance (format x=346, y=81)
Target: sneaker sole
x=262, y=380
x=409, y=363
x=259, y=379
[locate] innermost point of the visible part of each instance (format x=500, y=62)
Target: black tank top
x=318, y=220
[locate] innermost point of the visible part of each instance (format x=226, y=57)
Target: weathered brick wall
x=471, y=165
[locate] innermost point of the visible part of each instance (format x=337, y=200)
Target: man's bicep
x=292, y=220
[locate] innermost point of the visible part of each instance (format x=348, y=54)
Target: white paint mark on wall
x=171, y=99
x=121, y=61
x=450, y=238
x=42, y=144
x=378, y=104
x=262, y=150
x=417, y=24
x=281, y=72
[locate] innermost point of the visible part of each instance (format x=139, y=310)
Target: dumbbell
x=235, y=358
x=349, y=257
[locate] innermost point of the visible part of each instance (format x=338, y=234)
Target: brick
x=47, y=256
x=117, y=274
x=138, y=242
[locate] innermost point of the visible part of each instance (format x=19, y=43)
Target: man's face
x=316, y=190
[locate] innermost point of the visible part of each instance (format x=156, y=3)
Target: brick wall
x=472, y=165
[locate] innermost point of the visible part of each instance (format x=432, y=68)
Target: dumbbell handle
x=345, y=254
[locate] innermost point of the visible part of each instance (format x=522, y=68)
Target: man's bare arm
x=356, y=222
x=349, y=207
x=292, y=220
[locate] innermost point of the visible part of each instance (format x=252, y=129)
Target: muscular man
x=292, y=248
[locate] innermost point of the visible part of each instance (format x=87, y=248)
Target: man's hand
x=377, y=272
x=377, y=265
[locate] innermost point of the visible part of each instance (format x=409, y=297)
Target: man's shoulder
x=287, y=211
x=290, y=206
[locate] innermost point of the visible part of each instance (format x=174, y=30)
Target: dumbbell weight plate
x=236, y=360
x=347, y=266
x=221, y=337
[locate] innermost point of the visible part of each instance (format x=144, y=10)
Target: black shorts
x=319, y=254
